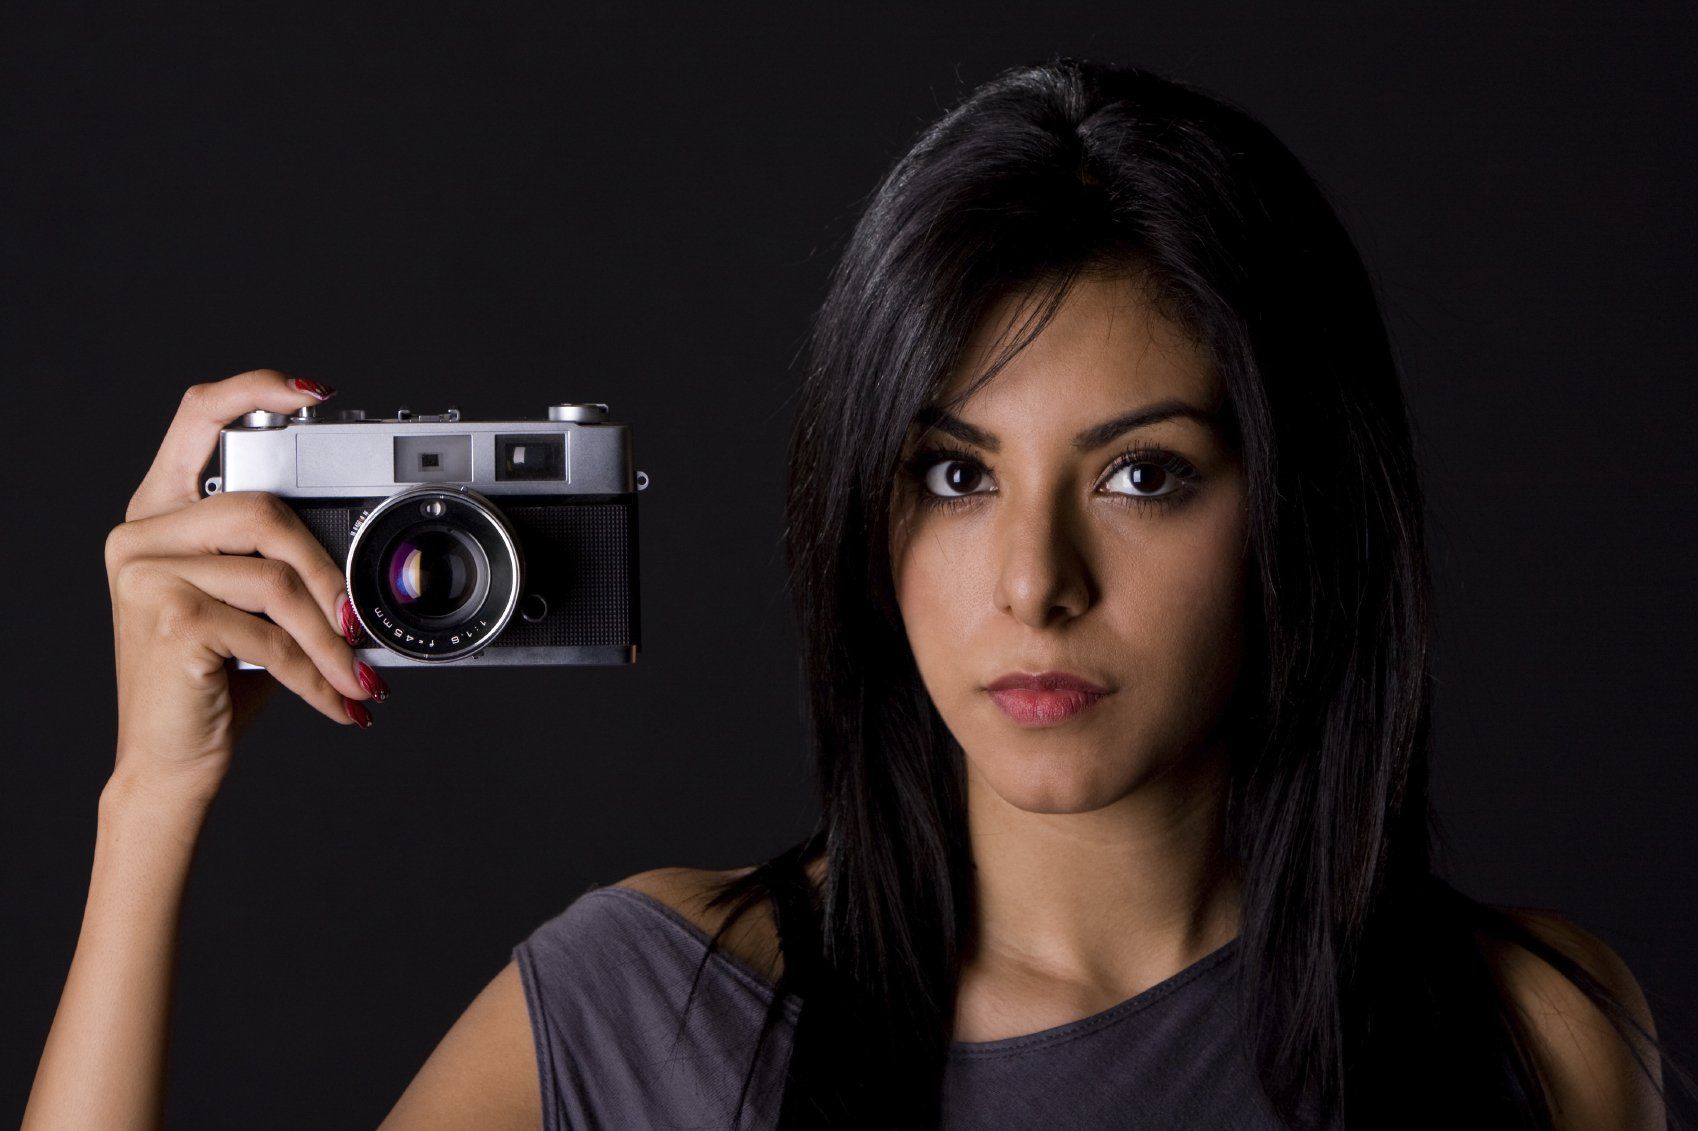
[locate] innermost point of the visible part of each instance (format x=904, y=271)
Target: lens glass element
x=433, y=571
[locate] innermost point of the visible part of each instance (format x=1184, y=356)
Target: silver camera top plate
x=576, y=451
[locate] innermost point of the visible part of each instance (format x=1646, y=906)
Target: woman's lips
x=1044, y=708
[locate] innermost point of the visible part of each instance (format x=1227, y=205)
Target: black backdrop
x=639, y=205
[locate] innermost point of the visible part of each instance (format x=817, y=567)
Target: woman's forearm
x=104, y=1061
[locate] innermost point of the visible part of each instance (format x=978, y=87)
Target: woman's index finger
x=173, y=481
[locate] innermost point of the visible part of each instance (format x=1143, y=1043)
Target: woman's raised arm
x=184, y=592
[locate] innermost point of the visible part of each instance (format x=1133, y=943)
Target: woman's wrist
x=173, y=800
x=147, y=831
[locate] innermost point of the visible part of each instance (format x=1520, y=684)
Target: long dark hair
x=1361, y=975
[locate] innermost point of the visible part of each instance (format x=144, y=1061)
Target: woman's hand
x=185, y=595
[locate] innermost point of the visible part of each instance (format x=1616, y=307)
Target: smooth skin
x=1102, y=824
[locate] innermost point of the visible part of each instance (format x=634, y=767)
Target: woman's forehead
x=1108, y=345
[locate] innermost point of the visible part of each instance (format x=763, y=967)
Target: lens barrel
x=434, y=573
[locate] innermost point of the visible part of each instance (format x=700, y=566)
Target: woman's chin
x=1058, y=782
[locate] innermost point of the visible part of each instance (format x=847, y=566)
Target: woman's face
x=1057, y=556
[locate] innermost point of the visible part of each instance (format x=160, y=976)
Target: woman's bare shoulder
x=1595, y=1079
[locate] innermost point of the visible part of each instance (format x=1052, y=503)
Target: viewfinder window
x=534, y=456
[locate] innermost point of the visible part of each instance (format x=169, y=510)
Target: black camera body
x=500, y=543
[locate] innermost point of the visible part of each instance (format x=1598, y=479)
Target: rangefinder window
x=534, y=456
x=440, y=458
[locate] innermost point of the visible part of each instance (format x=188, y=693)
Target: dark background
x=639, y=205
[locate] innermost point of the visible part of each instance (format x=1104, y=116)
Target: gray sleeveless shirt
x=606, y=980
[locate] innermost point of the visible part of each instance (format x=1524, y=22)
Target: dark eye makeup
x=1184, y=475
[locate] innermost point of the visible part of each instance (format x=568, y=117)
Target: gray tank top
x=606, y=980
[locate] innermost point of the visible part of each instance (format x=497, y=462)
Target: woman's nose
x=1043, y=575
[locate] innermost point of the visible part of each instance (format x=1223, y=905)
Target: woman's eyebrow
x=1090, y=439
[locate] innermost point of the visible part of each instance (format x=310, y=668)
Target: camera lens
x=433, y=572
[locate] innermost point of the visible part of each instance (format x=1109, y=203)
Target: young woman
x=1105, y=538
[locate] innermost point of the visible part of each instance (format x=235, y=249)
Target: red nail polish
x=357, y=711
x=350, y=622
x=371, y=681
x=316, y=389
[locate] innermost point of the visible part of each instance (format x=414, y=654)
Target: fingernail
x=357, y=711
x=350, y=622
x=371, y=681
x=316, y=389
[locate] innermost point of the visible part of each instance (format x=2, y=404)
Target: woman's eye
x=950, y=478
x=1146, y=479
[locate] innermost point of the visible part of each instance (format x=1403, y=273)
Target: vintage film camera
x=496, y=542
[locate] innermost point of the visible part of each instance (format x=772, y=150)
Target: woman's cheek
x=942, y=590
x=1207, y=620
